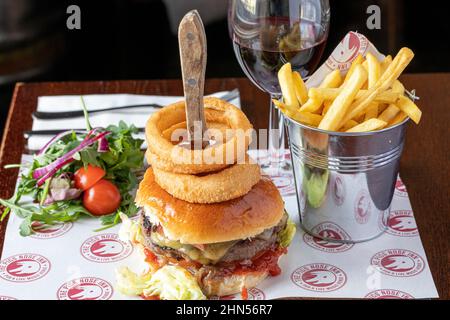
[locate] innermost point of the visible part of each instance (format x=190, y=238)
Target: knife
x=53, y=132
x=79, y=113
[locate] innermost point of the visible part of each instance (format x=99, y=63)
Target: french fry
x=332, y=119
x=349, y=124
x=401, y=60
x=372, y=111
x=382, y=107
x=303, y=117
x=286, y=81
x=307, y=118
x=388, y=96
x=374, y=70
x=365, y=65
x=300, y=89
x=332, y=80
x=410, y=108
x=326, y=106
x=357, y=61
x=398, y=118
x=389, y=113
x=283, y=107
x=398, y=87
x=368, y=125
x=312, y=105
x=385, y=63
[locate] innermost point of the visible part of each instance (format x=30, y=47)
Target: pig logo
x=362, y=207
x=338, y=191
x=24, y=267
x=347, y=51
x=105, y=248
x=388, y=294
x=47, y=231
x=402, y=223
x=398, y=262
x=228, y=297
x=319, y=277
x=256, y=294
x=253, y=294
x=85, y=288
x=400, y=189
x=331, y=231
x=285, y=183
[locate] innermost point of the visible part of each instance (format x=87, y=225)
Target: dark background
x=122, y=39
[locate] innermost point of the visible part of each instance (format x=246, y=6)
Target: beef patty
x=240, y=250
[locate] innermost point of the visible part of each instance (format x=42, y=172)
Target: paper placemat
x=71, y=261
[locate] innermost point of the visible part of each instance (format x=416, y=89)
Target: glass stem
x=276, y=134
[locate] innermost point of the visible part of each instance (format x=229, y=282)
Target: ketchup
x=151, y=258
x=244, y=293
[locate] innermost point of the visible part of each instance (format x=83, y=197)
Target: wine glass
x=269, y=33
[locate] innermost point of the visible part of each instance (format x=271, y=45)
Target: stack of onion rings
x=220, y=172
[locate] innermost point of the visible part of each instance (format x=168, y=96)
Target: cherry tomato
x=102, y=198
x=86, y=177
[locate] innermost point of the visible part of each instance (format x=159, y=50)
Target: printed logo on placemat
x=228, y=297
x=331, y=231
x=6, y=298
x=402, y=223
x=400, y=189
x=48, y=231
x=398, y=262
x=256, y=294
x=285, y=183
x=24, y=267
x=85, y=288
x=346, y=52
x=320, y=277
x=338, y=191
x=362, y=207
x=105, y=248
x=253, y=294
x=388, y=294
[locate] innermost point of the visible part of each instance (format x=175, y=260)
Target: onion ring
x=227, y=184
x=156, y=162
x=164, y=154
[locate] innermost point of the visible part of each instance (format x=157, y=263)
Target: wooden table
x=424, y=165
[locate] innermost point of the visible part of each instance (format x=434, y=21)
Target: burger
x=227, y=246
x=207, y=231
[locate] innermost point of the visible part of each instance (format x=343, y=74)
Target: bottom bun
x=231, y=284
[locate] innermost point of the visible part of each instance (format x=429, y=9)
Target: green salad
x=93, y=172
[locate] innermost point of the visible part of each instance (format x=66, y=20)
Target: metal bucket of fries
x=345, y=181
x=346, y=127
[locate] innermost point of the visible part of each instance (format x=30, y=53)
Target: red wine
x=261, y=65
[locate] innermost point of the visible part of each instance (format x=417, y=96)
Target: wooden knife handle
x=192, y=43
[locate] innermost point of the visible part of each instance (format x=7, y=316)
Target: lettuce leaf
x=174, y=283
x=130, y=230
x=169, y=283
x=130, y=283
